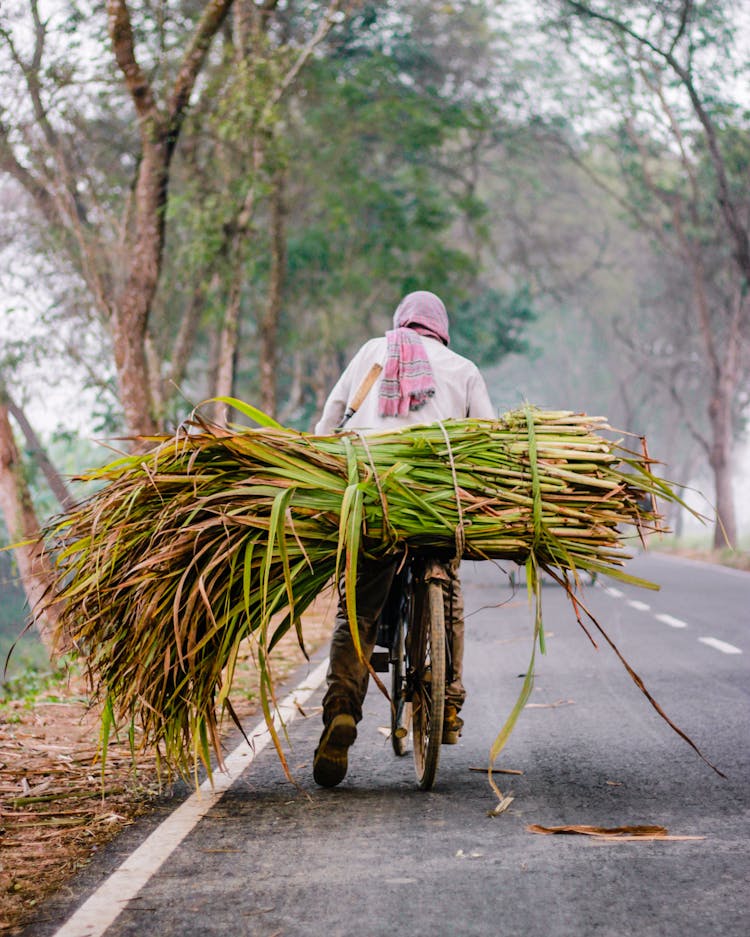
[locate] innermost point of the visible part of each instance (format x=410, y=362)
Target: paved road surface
x=376, y=856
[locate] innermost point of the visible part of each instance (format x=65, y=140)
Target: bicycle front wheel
x=428, y=702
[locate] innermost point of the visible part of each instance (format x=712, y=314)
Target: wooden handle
x=365, y=387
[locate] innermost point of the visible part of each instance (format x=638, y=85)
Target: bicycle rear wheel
x=428, y=702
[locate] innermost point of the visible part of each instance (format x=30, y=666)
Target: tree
x=41, y=153
x=492, y=325
x=683, y=153
x=36, y=449
x=394, y=106
x=227, y=174
x=96, y=159
x=21, y=522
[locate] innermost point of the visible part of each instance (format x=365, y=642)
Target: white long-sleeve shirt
x=460, y=391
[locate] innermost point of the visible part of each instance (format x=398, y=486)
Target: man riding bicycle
x=422, y=381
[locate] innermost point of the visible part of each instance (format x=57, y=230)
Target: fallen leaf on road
x=498, y=770
x=258, y=911
x=504, y=800
x=613, y=832
x=501, y=807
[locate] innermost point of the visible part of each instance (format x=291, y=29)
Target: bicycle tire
x=428, y=702
x=399, y=705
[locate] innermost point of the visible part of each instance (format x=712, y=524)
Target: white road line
x=100, y=910
x=722, y=646
x=671, y=620
x=639, y=606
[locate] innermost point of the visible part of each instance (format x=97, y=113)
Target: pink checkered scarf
x=408, y=381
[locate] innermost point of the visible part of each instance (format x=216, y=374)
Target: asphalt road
x=376, y=856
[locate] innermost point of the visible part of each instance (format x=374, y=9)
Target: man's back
x=460, y=391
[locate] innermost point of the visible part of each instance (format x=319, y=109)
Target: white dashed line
x=722, y=646
x=671, y=620
x=97, y=913
x=639, y=606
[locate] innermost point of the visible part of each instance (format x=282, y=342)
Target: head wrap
x=408, y=381
x=425, y=313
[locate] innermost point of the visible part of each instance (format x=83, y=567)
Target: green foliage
x=28, y=651
x=493, y=325
x=384, y=109
x=31, y=682
x=384, y=210
x=11, y=607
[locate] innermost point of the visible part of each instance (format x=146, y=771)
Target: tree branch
x=30, y=74
x=37, y=451
x=121, y=34
x=21, y=521
x=729, y=211
x=324, y=27
x=192, y=62
x=35, y=187
x=687, y=9
x=631, y=209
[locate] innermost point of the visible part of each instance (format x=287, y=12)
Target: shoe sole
x=332, y=755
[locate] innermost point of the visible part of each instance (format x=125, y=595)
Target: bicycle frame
x=418, y=636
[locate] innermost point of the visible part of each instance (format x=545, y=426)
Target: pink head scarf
x=408, y=381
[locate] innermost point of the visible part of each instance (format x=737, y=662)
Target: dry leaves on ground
x=620, y=833
x=56, y=809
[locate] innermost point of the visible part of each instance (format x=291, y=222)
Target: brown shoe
x=452, y=726
x=331, y=756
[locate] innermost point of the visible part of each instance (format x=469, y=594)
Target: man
x=422, y=381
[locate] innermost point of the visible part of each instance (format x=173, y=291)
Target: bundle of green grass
x=185, y=551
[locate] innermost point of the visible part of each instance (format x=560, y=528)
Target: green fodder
x=189, y=549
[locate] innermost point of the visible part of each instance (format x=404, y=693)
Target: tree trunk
x=185, y=340
x=269, y=325
x=296, y=391
x=133, y=305
x=228, y=340
x=720, y=457
x=159, y=131
x=55, y=481
x=234, y=248
x=34, y=565
x=724, y=375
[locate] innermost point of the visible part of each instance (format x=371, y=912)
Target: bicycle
x=418, y=640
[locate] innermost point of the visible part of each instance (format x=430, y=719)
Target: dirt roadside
x=734, y=559
x=55, y=813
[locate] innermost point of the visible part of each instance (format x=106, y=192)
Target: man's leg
x=455, y=693
x=348, y=676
